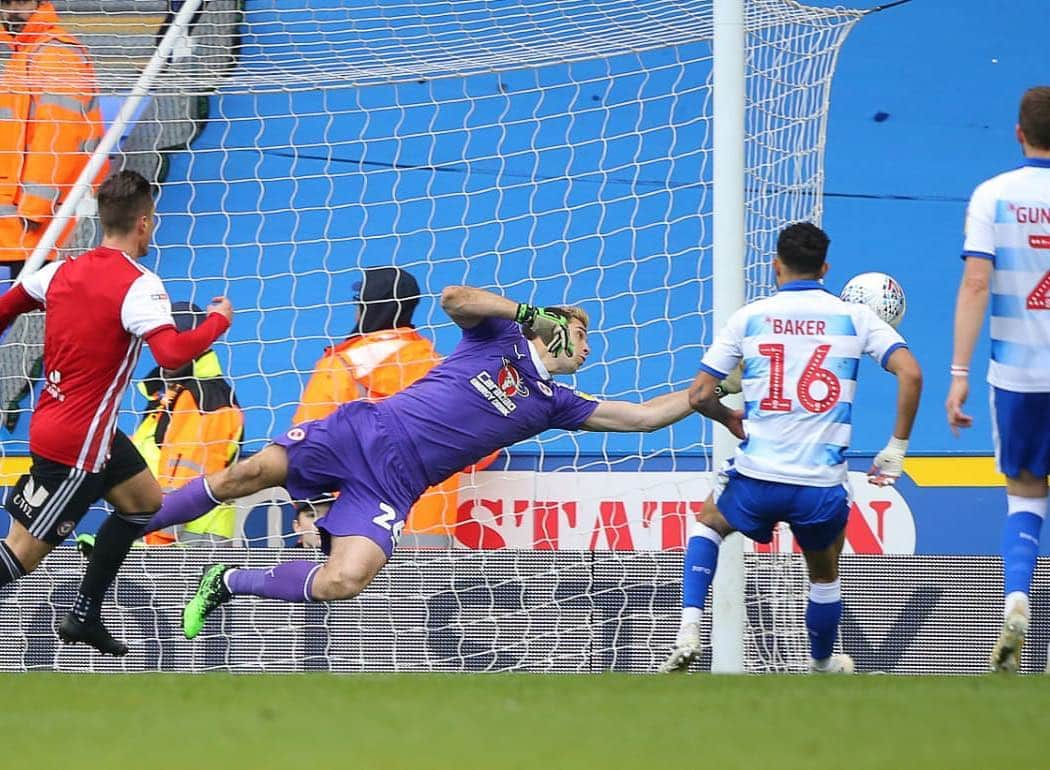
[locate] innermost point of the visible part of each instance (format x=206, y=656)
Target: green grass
x=153, y=722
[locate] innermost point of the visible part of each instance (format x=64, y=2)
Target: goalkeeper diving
x=497, y=388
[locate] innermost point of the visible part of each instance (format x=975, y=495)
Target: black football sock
x=112, y=544
x=10, y=567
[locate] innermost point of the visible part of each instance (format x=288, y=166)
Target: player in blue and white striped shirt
x=1007, y=253
x=801, y=350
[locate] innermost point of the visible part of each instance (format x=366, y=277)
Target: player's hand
x=552, y=329
x=957, y=395
x=734, y=422
x=889, y=463
x=222, y=306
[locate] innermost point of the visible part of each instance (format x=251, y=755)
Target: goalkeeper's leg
x=268, y=468
x=698, y=570
x=353, y=563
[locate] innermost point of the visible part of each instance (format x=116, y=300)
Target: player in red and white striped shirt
x=99, y=308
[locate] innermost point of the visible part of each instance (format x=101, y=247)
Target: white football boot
x=686, y=649
x=1006, y=655
x=836, y=664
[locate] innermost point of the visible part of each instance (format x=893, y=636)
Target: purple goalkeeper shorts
x=351, y=453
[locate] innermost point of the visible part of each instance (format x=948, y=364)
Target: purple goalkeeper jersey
x=493, y=391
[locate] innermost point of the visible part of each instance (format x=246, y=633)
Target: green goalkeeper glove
x=731, y=384
x=552, y=329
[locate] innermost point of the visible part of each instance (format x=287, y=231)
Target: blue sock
x=701, y=558
x=823, y=612
x=1020, y=546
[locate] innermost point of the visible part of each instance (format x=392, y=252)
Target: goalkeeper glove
x=889, y=463
x=731, y=384
x=552, y=329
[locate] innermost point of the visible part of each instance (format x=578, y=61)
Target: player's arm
x=14, y=302
x=28, y=294
x=971, y=303
x=704, y=398
x=719, y=374
x=628, y=417
x=468, y=307
x=889, y=463
x=174, y=349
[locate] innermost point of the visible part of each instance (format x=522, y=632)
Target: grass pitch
x=257, y=722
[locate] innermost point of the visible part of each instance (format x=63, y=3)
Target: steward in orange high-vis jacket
x=50, y=123
x=383, y=355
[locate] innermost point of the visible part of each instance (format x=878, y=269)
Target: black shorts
x=52, y=498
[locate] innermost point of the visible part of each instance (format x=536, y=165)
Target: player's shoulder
x=565, y=387
x=996, y=186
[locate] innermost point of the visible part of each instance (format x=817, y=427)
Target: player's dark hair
x=122, y=200
x=1034, y=117
x=803, y=247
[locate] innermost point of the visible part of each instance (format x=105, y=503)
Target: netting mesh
x=558, y=152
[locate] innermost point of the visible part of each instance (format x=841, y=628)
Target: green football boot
x=210, y=594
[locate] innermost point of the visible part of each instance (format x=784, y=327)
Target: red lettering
x=545, y=525
x=546, y=522
x=880, y=507
x=859, y=534
x=471, y=532
x=612, y=522
x=675, y=516
x=798, y=327
x=1030, y=215
x=1039, y=241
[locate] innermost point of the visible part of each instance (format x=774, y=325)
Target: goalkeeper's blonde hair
x=572, y=313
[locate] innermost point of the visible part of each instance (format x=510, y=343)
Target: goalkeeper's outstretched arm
x=628, y=417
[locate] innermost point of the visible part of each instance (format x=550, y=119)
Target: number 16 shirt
x=801, y=350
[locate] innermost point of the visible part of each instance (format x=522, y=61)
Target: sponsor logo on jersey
x=579, y=393
x=65, y=528
x=54, y=378
x=296, y=434
x=493, y=393
x=544, y=388
x=510, y=381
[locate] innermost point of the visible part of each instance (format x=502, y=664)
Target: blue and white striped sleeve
x=980, y=223
x=880, y=339
x=727, y=347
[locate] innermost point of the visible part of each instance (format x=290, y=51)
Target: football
x=881, y=292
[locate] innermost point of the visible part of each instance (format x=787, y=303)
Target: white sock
x=691, y=615
x=1016, y=600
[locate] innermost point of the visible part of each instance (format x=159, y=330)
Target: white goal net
x=557, y=151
